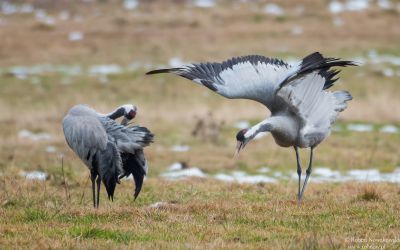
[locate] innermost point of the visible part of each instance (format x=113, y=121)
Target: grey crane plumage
x=101, y=143
x=302, y=108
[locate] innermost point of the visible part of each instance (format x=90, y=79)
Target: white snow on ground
x=391, y=129
x=325, y=174
x=274, y=9
x=26, y=134
x=51, y=149
x=34, y=175
x=158, y=204
x=204, y=3
x=75, y=36
x=385, y=4
x=105, y=69
x=184, y=173
x=336, y=7
x=130, y=4
x=360, y=127
x=180, y=148
x=243, y=177
x=175, y=166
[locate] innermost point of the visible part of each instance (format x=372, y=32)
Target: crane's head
x=129, y=113
x=242, y=140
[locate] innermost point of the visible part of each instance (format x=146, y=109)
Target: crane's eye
x=131, y=114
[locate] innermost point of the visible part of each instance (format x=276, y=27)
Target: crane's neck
x=117, y=113
x=267, y=125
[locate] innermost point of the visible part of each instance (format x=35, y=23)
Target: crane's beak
x=125, y=121
x=239, y=146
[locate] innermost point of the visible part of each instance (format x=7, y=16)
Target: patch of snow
x=224, y=177
x=360, y=127
x=364, y=175
x=388, y=72
x=180, y=148
x=324, y=174
x=243, y=177
x=357, y=5
x=336, y=7
x=385, y=4
x=75, y=36
x=274, y=9
x=158, y=204
x=35, y=175
x=204, y=3
x=242, y=124
x=175, y=166
x=51, y=149
x=8, y=8
x=42, y=17
x=19, y=72
x=389, y=129
x=105, y=69
x=184, y=173
x=130, y=4
x=34, y=136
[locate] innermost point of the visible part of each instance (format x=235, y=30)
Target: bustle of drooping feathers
x=132, y=164
x=142, y=134
x=316, y=61
x=207, y=72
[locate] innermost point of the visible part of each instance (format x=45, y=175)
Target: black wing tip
x=135, y=195
x=160, y=71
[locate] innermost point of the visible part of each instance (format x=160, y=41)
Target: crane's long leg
x=308, y=173
x=93, y=179
x=98, y=190
x=298, y=171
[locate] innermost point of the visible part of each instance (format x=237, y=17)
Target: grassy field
x=195, y=212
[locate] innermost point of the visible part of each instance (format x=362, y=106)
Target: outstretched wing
x=251, y=77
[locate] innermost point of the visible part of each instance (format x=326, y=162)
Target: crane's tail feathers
x=141, y=135
x=110, y=166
